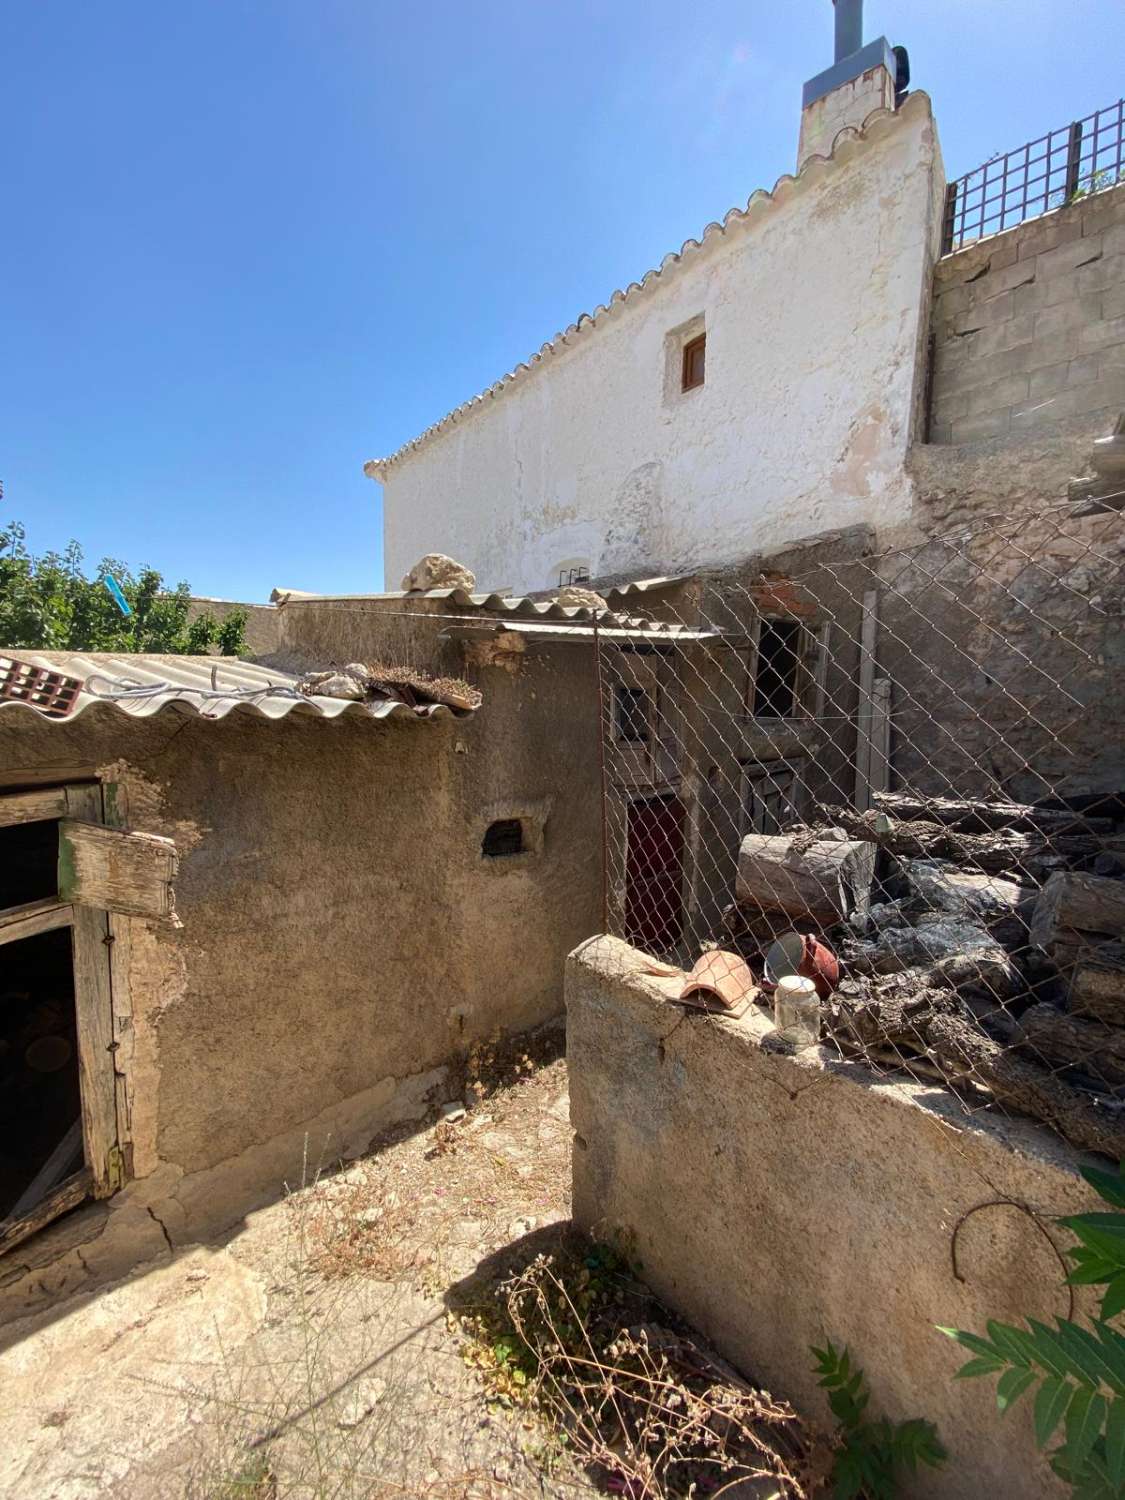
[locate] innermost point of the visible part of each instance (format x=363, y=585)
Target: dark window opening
x=695, y=362
x=29, y=862
x=40, y=1106
x=631, y=709
x=775, y=683
x=503, y=837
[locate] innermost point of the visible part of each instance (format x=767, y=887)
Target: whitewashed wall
x=814, y=304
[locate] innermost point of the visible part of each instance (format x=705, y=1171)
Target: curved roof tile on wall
x=878, y=123
x=196, y=684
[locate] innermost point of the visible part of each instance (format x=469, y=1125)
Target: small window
x=502, y=838
x=695, y=362
x=631, y=709
x=775, y=682
x=579, y=574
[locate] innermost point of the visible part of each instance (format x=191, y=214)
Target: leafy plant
x=1078, y=1373
x=47, y=603
x=872, y=1451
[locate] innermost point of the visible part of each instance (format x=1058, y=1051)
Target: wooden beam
x=868, y=635
x=33, y=807
x=879, y=769
x=115, y=870
x=66, y=1196
x=34, y=917
x=93, y=1003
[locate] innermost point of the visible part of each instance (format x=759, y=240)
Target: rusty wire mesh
x=914, y=759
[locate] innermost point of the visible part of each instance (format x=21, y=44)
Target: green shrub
x=1077, y=1373
x=872, y=1451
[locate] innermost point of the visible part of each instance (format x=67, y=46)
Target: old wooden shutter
x=116, y=870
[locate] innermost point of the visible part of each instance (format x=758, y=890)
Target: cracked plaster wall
x=341, y=939
x=778, y=1201
x=815, y=313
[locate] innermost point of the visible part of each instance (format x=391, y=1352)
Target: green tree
x=48, y=604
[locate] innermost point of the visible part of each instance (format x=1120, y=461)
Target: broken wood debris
x=379, y=682
x=979, y=946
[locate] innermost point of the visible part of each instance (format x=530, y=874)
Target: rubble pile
x=982, y=945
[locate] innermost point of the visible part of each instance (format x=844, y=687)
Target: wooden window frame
x=93, y=1009
x=693, y=347
x=810, y=688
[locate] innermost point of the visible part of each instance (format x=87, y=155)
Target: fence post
x=1073, y=160
x=948, y=218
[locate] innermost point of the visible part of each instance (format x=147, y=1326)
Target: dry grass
x=425, y=1208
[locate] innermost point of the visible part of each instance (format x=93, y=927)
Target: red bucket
x=801, y=953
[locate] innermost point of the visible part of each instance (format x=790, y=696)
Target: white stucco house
x=761, y=385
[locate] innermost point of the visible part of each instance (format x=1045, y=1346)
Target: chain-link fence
x=900, y=776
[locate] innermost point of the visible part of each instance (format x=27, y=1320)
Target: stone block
x=1075, y=314
x=1107, y=391
x=973, y=373
x=1054, y=348
x=1039, y=236
x=1111, y=358
x=1113, y=240
x=997, y=393
x=982, y=425
x=1113, y=300
x=1106, y=272
x=1103, y=210
x=1047, y=381
x=1066, y=258
x=949, y=404
x=1099, y=335
x=1085, y=369
x=1019, y=273
x=984, y=314
x=1006, y=335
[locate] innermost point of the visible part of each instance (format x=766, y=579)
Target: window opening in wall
x=29, y=859
x=695, y=362
x=503, y=838
x=631, y=715
x=40, y=1105
x=580, y=574
x=774, y=690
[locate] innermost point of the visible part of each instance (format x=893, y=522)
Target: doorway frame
x=101, y=1173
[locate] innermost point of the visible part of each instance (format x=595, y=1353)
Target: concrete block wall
x=1029, y=325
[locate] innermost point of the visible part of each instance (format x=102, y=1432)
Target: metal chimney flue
x=849, y=27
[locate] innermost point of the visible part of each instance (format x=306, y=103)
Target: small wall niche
x=502, y=839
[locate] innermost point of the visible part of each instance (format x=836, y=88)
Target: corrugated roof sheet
x=211, y=686
x=877, y=124
x=507, y=606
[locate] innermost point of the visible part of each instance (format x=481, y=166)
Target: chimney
x=862, y=79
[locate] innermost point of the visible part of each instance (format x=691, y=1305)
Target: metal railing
x=1064, y=164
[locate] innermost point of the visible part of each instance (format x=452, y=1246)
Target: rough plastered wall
x=1029, y=325
x=814, y=306
x=342, y=940
x=779, y=1201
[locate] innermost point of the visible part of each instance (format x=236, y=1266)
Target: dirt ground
x=312, y=1354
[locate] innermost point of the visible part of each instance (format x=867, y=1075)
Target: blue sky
x=249, y=243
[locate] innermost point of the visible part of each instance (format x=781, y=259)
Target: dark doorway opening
x=654, y=867
x=29, y=864
x=40, y=1105
x=775, y=684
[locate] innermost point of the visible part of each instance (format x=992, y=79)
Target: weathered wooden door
x=654, y=867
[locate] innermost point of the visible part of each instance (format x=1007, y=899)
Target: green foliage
x=872, y=1451
x=1077, y=1373
x=48, y=604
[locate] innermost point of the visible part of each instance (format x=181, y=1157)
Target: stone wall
x=1029, y=325
x=778, y=1201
